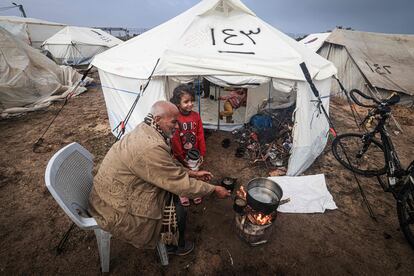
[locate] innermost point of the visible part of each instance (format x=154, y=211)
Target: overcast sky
x=289, y=16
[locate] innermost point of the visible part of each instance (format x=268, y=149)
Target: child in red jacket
x=190, y=134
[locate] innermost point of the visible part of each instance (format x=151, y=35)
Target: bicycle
x=364, y=155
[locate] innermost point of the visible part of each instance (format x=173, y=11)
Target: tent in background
x=226, y=43
x=375, y=63
x=31, y=30
x=28, y=79
x=78, y=45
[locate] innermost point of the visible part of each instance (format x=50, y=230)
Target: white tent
x=374, y=63
x=225, y=42
x=31, y=30
x=28, y=79
x=78, y=45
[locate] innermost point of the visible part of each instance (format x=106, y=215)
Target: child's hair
x=179, y=91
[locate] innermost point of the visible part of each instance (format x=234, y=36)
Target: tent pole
x=268, y=96
x=199, y=96
x=218, y=107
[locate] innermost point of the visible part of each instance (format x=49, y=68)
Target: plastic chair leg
x=104, y=246
x=162, y=252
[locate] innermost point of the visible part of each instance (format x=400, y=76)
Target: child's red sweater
x=189, y=135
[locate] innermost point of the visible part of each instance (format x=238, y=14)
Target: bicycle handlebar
x=395, y=98
x=355, y=99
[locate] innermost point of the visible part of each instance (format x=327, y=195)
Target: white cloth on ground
x=308, y=194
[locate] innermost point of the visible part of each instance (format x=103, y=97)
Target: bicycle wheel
x=365, y=157
x=405, y=210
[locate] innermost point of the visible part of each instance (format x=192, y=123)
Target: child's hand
x=201, y=175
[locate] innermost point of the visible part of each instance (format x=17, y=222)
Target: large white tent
x=78, y=45
x=31, y=30
x=28, y=79
x=226, y=43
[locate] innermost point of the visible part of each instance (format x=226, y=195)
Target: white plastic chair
x=69, y=179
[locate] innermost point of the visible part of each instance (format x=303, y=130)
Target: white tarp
x=225, y=42
x=28, y=79
x=315, y=41
x=307, y=194
x=78, y=45
x=31, y=30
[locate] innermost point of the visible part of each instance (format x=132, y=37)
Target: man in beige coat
x=136, y=176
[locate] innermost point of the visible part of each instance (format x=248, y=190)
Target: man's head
x=165, y=116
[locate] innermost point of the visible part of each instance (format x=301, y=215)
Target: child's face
x=186, y=103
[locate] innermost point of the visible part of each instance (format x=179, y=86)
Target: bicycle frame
x=394, y=169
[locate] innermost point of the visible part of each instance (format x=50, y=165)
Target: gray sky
x=290, y=16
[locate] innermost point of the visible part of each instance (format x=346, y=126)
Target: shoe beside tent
x=226, y=43
x=78, y=45
x=375, y=63
x=31, y=30
x=28, y=79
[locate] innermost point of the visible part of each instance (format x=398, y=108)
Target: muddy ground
x=344, y=241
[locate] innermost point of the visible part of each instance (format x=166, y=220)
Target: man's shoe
x=186, y=249
x=182, y=251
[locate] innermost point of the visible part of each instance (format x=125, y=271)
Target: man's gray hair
x=162, y=108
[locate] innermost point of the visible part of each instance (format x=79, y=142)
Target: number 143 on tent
x=236, y=38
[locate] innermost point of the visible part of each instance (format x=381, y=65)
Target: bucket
x=193, y=158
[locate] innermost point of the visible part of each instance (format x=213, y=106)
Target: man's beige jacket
x=131, y=187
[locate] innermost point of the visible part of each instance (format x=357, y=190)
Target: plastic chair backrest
x=69, y=179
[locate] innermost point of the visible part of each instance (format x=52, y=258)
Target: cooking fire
x=256, y=210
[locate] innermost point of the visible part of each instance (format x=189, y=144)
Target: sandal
x=197, y=200
x=184, y=201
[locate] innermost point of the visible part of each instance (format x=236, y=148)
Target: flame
x=241, y=193
x=260, y=219
x=254, y=217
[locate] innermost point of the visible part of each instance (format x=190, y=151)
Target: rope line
x=331, y=125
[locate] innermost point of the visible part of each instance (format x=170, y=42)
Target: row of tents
x=66, y=45
x=31, y=51
x=224, y=42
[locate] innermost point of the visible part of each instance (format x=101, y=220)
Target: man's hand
x=221, y=192
x=201, y=175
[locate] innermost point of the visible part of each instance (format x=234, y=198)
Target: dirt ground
x=344, y=241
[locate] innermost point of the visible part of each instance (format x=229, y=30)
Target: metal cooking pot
x=228, y=183
x=263, y=195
